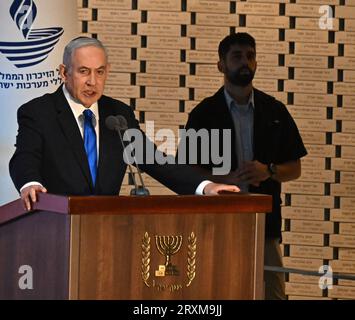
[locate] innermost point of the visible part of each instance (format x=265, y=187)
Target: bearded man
x=266, y=145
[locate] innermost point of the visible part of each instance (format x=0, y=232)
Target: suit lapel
x=108, y=146
x=72, y=133
x=222, y=113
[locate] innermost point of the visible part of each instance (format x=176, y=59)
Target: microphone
x=119, y=123
x=116, y=122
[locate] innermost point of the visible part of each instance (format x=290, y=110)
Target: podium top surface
x=157, y=204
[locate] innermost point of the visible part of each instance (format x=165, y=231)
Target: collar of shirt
x=230, y=100
x=78, y=109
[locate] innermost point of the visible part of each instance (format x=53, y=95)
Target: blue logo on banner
x=38, y=42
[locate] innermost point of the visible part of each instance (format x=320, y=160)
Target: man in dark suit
x=64, y=147
x=266, y=144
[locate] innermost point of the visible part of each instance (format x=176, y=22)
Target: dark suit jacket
x=50, y=150
x=276, y=140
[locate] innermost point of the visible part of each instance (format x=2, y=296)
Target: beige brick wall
x=163, y=55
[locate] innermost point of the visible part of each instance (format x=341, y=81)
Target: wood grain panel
x=111, y=253
x=39, y=240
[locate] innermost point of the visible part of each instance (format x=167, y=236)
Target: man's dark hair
x=241, y=38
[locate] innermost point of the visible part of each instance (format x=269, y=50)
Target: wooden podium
x=156, y=247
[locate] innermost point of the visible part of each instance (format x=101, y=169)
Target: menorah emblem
x=168, y=246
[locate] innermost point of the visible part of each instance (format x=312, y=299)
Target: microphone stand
x=137, y=190
x=119, y=123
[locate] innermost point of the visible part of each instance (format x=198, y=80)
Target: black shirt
x=276, y=140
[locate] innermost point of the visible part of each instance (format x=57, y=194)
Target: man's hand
x=29, y=195
x=215, y=188
x=253, y=172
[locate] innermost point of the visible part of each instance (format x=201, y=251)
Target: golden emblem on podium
x=168, y=246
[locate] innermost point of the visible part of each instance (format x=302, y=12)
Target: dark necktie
x=90, y=143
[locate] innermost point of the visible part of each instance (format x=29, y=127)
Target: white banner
x=33, y=34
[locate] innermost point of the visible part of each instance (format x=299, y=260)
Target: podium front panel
x=170, y=256
x=34, y=257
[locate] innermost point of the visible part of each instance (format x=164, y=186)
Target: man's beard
x=241, y=77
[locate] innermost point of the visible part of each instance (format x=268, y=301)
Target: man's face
x=85, y=78
x=239, y=65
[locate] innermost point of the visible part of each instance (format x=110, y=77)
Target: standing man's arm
x=254, y=172
x=25, y=164
x=290, y=149
x=181, y=178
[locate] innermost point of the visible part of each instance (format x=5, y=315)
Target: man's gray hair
x=79, y=43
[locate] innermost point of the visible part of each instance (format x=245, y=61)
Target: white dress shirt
x=77, y=108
